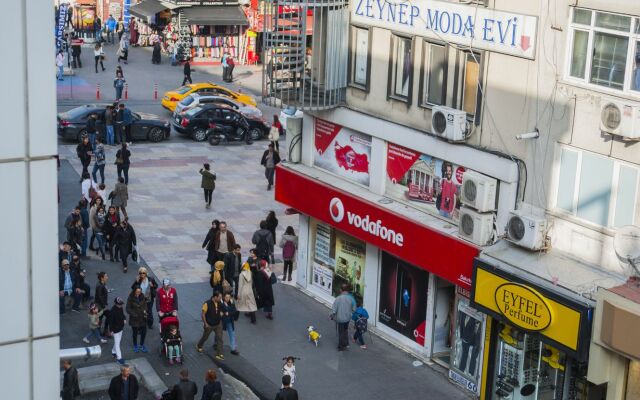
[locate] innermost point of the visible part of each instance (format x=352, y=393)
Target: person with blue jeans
x=67, y=285
x=108, y=125
x=91, y=129
x=100, y=162
x=84, y=216
x=230, y=312
x=343, y=308
x=118, y=84
x=60, y=64
x=111, y=28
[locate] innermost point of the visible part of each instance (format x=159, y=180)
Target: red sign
x=325, y=132
x=399, y=160
x=424, y=247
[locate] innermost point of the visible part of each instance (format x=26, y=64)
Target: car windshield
x=187, y=100
x=183, y=89
x=193, y=111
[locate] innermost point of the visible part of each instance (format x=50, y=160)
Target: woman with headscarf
x=217, y=276
x=246, y=298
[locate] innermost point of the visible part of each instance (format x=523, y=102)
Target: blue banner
x=62, y=18
x=126, y=15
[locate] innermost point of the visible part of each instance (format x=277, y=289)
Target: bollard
x=155, y=91
x=126, y=91
x=98, y=91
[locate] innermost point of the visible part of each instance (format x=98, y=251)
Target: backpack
x=361, y=324
x=262, y=248
x=288, y=250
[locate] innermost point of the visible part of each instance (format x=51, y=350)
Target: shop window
x=433, y=79
x=401, y=68
x=360, y=58
x=468, y=84
x=467, y=346
x=605, y=50
x=597, y=189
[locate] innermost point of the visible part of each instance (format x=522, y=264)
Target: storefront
x=537, y=338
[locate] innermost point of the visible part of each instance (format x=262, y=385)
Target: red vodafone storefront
x=410, y=277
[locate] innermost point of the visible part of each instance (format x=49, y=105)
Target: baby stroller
x=165, y=324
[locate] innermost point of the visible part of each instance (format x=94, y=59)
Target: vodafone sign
x=443, y=255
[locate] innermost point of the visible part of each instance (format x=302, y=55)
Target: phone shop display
x=467, y=346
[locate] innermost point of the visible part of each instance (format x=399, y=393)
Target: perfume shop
x=536, y=340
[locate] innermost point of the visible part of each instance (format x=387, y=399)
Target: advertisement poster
x=342, y=151
x=62, y=18
x=467, y=346
x=403, y=298
x=126, y=15
x=350, y=258
x=424, y=181
x=322, y=278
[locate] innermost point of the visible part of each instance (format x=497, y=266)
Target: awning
x=215, y=15
x=147, y=8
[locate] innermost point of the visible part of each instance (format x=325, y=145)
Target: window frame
x=613, y=193
x=424, y=84
x=591, y=29
x=392, y=59
x=352, y=58
x=458, y=83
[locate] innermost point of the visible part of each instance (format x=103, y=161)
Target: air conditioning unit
x=475, y=227
x=526, y=230
x=620, y=119
x=449, y=123
x=478, y=191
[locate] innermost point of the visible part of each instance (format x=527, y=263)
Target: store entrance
x=443, y=321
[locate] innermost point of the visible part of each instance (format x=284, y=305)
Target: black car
x=72, y=124
x=195, y=122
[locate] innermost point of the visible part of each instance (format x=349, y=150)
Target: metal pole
x=77, y=353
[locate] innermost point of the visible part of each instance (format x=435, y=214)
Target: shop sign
x=437, y=252
x=468, y=25
x=62, y=18
x=523, y=306
x=463, y=381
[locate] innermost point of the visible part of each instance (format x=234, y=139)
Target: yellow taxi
x=172, y=97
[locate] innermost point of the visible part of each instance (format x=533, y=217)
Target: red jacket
x=166, y=302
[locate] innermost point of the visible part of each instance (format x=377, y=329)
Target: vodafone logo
x=336, y=209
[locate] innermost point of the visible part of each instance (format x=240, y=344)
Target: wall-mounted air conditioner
x=620, y=119
x=449, y=123
x=475, y=227
x=478, y=191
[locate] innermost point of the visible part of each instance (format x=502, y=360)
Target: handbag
x=134, y=254
x=119, y=161
x=226, y=287
x=274, y=134
x=273, y=279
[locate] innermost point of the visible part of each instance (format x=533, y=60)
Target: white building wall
x=29, y=340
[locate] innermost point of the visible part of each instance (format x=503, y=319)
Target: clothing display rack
x=209, y=43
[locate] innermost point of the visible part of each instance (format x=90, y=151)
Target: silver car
x=197, y=99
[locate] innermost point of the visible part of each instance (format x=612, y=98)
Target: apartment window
x=433, y=80
x=597, y=189
x=468, y=83
x=360, y=57
x=605, y=49
x=401, y=68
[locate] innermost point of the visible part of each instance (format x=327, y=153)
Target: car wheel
x=81, y=134
x=214, y=140
x=199, y=135
x=156, y=135
x=255, y=134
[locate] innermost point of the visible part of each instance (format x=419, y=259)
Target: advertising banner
x=126, y=14
x=342, y=151
x=467, y=346
x=322, y=278
x=350, y=258
x=62, y=18
x=426, y=182
x=403, y=298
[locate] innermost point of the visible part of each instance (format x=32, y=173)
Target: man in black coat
x=270, y=158
x=233, y=267
x=70, y=386
x=125, y=239
x=126, y=382
x=68, y=287
x=84, y=152
x=287, y=392
x=187, y=73
x=185, y=389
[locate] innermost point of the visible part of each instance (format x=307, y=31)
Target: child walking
x=94, y=324
x=289, y=368
x=173, y=339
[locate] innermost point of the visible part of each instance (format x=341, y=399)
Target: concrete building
x=471, y=163
x=29, y=341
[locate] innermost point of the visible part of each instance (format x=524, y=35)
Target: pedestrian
x=263, y=239
x=84, y=151
x=111, y=28
x=230, y=66
x=91, y=129
x=60, y=64
x=98, y=55
x=109, y=228
x=212, y=390
x=225, y=66
x=275, y=132
x=224, y=241
x=217, y=277
x=117, y=321
x=123, y=162
x=100, y=160
x=76, y=50
x=120, y=29
x=102, y=301
x=86, y=224
x=166, y=300
x=264, y=289
x=118, y=84
x=74, y=238
x=99, y=218
x=95, y=314
x=125, y=119
x=125, y=238
x=120, y=196
x=119, y=70
x=232, y=268
x=155, y=55
x=360, y=319
x=76, y=268
x=133, y=31
x=149, y=287
x=187, y=73
x=287, y=392
x=230, y=315
x=65, y=252
x=270, y=158
x=342, y=310
x=97, y=27
x=208, y=183
x=272, y=224
x=108, y=124
x=172, y=339
x=289, y=368
x=102, y=192
x=124, y=386
x=137, y=310
x=212, y=314
x=209, y=242
x=185, y=389
x=70, y=387
x=88, y=187
x=246, y=297
x=68, y=287
x=123, y=49
x=289, y=245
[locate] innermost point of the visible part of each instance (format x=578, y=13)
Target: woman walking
x=137, y=310
x=272, y=224
x=155, y=56
x=123, y=161
x=208, y=183
x=289, y=245
x=149, y=287
x=118, y=84
x=95, y=206
x=99, y=218
x=125, y=240
x=246, y=299
x=98, y=54
x=264, y=289
x=123, y=49
x=111, y=223
x=212, y=387
x=98, y=165
x=275, y=132
x=208, y=243
x=117, y=321
x=120, y=197
x=102, y=301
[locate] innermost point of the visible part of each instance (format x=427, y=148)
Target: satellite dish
x=626, y=244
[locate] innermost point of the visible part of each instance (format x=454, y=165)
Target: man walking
x=124, y=119
x=124, y=386
x=185, y=389
x=263, y=240
x=212, y=312
x=84, y=151
x=100, y=161
x=187, y=73
x=287, y=392
x=232, y=268
x=270, y=158
x=91, y=129
x=224, y=241
x=76, y=50
x=111, y=28
x=342, y=310
x=70, y=387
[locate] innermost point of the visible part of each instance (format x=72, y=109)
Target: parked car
x=196, y=121
x=198, y=99
x=172, y=97
x=72, y=124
